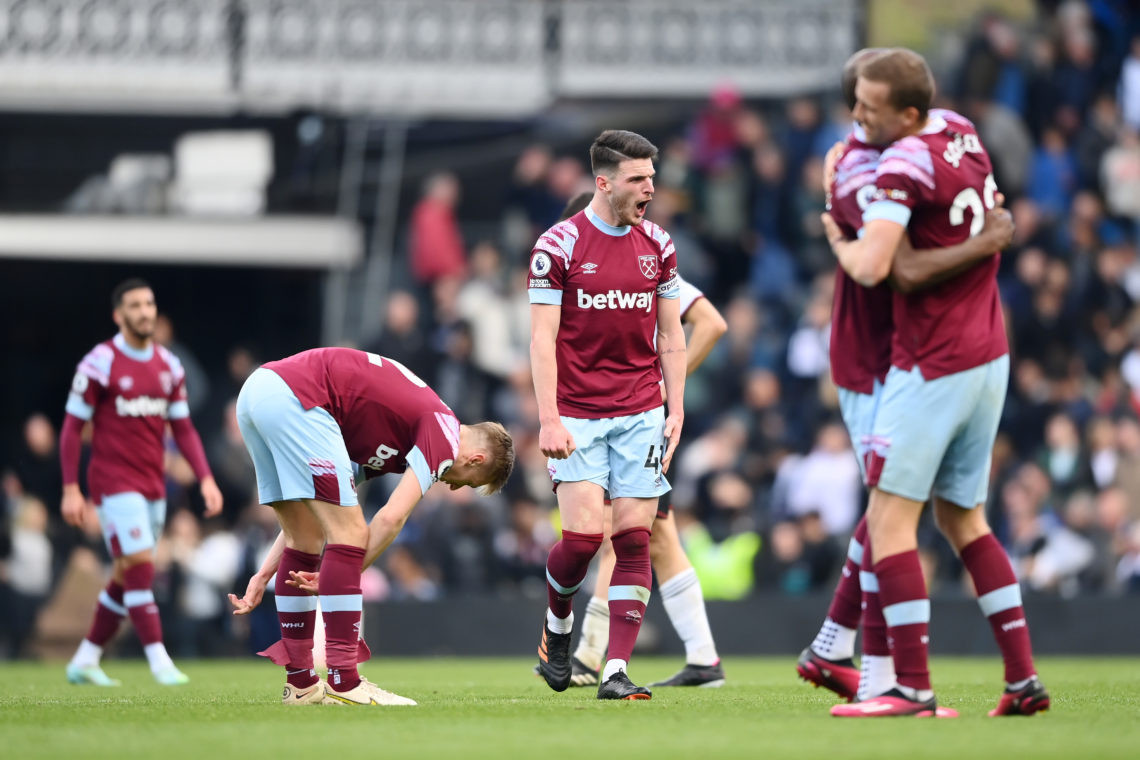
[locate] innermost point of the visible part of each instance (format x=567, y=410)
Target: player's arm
x=73, y=505
x=255, y=589
x=671, y=352
x=87, y=388
x=708, y=327
x=914, y=270
x=190, y=444
x=389, y=521
x=869, y=259
x=554, y=439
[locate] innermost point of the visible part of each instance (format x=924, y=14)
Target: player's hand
x=830, y=161
x=253, y=593
x=831, y=231
x=555, y=441
x=73, y=506
x=999, y=228
x=212, y=496
x=305, y=581
x=673, y=425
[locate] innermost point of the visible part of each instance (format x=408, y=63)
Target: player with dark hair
x=605, y=330
x=941, y=402
x=311, y=422
x=676, y=578
x=130, y=389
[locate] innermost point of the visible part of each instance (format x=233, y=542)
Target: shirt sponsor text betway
x=143, y=406
x=615, y=299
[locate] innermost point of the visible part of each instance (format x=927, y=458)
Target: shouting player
x=603, y=284
x=130, y=388
x=680, y=588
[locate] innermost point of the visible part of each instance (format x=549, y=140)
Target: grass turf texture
x=494, y=708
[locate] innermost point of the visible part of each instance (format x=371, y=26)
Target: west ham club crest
x=648, y=266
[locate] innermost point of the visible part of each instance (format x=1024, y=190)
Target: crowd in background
x=766, y=488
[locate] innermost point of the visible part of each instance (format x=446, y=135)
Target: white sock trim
x=557, y=624
x=834, y=641
x=613, y=666
x=87, y=654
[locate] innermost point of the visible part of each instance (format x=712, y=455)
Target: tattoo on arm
x=664, y=351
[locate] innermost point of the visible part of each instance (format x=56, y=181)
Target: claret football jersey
x=861, y=325
x=939, y=184
x=390, y=419
x=128, y=394
x=607, y=281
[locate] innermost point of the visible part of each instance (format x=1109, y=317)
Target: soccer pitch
x=495, y=708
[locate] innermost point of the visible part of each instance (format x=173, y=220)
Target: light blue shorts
x=858, y=411
x=936, y=437
x=297, y=453
x=620, y=454
x=131, y=523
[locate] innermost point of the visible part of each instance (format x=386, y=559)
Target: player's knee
x=632, y=542
x=960, y=526
x=582, y=547
x=137, y=558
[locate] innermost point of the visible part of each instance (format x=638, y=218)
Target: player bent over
x=308, y=422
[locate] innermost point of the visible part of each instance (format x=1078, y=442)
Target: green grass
x=487, y=708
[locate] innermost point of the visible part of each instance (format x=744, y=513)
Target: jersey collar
x=609, y=229
x=934, y=125
x=138, y=354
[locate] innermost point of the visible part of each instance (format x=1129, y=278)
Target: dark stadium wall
x=764, y=625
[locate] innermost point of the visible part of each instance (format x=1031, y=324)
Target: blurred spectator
x=826, y=483
x=403, y=337
x=530, y=205
x=232, y=467
x=437, y=249
x=1052, y=174
x=37, y=464
x=1120, y=175
x=197, y=381
x=522, y=546
x=29, y=571
x=725, y=568
x=483, y=303
x=802, y=556
x=1129, y=88
x=460, y=383
x=408, y=576
x=1062, y=456
x=206, y=567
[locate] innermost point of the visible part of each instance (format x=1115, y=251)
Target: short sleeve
x=904, y=178
x=179, y=406
x=92, y=377
x=549, y=261
x=435, y=449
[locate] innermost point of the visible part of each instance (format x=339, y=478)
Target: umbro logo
x=590, y=268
